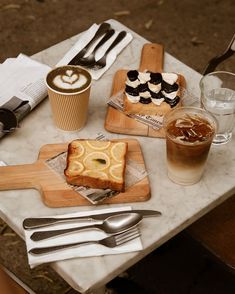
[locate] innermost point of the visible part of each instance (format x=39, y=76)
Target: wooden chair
x=8, y=285
x=216, y=232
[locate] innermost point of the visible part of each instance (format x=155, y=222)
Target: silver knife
x=34, y=223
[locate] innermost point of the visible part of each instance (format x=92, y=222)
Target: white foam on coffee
x=70, y=80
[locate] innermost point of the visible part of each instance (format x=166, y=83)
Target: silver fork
x=90, y=59
x=103, y=28
x=102, y=61
x=111, y=242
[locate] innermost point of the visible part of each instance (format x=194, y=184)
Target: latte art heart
x=70, y=79
x=69, y=72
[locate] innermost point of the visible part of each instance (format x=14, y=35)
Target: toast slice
x=149, y=93
x=97, y=164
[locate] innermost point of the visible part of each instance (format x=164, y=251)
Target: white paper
x=24, y=78
x=84, y=39
x=79, y=251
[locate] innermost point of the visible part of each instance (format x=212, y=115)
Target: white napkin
x=84, y=39
x=79, y=251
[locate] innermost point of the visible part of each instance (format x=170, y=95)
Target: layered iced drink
x=189, y=134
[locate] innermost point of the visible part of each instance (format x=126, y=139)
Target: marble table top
x=180, y=206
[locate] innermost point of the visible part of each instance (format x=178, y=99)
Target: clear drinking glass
x=218, y=97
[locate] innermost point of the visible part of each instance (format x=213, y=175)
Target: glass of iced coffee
x=189, y=134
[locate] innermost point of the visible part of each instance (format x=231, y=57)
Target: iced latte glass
x=189, y=134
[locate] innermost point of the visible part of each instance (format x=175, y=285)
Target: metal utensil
x=214, y=62
x=111, y=225
x=104, y=27
x=102, y=61
x=90, y=59
x=34, y=223
x=111, y=242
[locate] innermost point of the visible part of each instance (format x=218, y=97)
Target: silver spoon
x=111, y=225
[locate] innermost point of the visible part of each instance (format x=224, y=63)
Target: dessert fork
x=102, y=61
x=111, y=242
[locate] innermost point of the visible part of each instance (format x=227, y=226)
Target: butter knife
x=34, y=223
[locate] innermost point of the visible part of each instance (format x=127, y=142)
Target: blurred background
x=192, y=31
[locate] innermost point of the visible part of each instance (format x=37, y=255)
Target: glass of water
x=218, y=98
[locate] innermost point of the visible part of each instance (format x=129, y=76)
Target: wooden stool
x=216, y=232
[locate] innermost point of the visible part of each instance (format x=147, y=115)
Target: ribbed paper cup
x=69, y=110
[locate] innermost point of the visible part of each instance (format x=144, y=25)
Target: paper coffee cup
x=69, y=90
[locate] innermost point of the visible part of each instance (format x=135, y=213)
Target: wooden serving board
x=53, y=188
x=152, y=56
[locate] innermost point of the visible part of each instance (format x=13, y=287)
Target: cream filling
x=144, y=77
x=133, y=99
x=145, y=94
x=170, y=78
x=154, y=88
x=133, y=84
x=171, y=95
x=158, y=101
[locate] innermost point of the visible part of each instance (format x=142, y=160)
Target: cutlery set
x=34, y=223
x=104, y=33
x=111, y=225
x=121, y=225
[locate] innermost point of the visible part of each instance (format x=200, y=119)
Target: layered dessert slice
x=149, y=93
